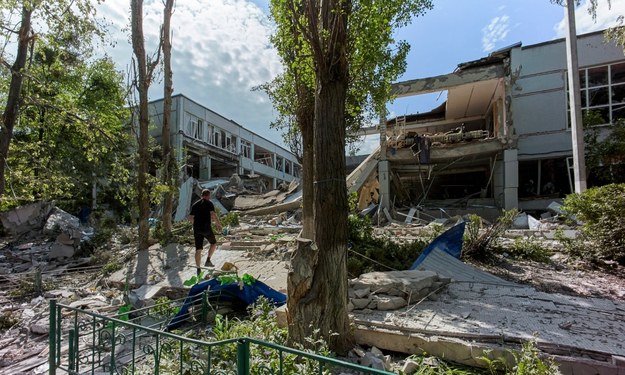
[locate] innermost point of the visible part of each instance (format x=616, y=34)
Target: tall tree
x=169, y=165
x=70, y=129
x=72, y=20
x=349, y=51
x=321, y=303
x=144, y=69
x=376, y=60
x=293, y=94
x=11, y=109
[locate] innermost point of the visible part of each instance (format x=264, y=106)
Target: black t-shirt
x=201, y=211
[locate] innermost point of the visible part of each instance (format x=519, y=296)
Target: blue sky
x=221, y=48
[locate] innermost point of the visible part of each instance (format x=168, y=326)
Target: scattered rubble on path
x=46, y=241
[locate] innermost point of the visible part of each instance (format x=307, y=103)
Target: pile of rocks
x=393, y=290
x=42, y=236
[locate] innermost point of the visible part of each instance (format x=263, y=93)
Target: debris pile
x=42, y=238
x=393, y=290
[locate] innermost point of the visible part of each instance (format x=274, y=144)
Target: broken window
x=217, y=138
x=544, y=178
x=279, y=162
x=246, y=149
x=602, y=92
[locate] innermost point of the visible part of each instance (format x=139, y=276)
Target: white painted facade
x=502, y=139
x=209, y=146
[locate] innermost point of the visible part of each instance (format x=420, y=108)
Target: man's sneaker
x=198, y=270
x=208, y=263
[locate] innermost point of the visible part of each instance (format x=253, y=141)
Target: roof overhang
x=470, y=91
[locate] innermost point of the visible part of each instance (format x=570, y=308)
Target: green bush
x=529, y=362
x=601, y=210
x=480, y=245
x=368, y=253
x=231, y=219
x=529, y=248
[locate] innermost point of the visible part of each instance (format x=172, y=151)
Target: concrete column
x=498, y=183
x=511, y=178
x=205, y=168
x=384, y=170
x=577, y=129
x=385, y=184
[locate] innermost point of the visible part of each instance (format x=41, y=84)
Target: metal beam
x=446, y=81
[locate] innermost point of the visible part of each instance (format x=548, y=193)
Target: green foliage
x=246, y=279
x=111, y=266
x=529, y=248
x=27, y=287
x=165, y=307
x=8, y=319
x=529, y=362
x=275, y=237
x=605, y=149
x=601, y=211
x=70, y=132
x=195, y=279
x=376, y=59
x=231, y=219
x=368, y=253
x=262, y=325
x=479, y=244
x=435, y=366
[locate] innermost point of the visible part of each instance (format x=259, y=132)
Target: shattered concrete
x=393, y=290
x=402, y=311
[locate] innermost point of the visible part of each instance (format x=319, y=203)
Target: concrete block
x=60, y=221
x=410, y=367
x=58, y=250
x=360, y=303
x=391, y=303
x=26, y=218
x=282, y=316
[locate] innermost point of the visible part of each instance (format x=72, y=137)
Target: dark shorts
x=199, y=239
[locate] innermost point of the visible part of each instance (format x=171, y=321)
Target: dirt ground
x=562, y=275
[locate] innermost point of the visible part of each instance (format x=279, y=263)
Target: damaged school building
x=501, y=140
x=211, y=149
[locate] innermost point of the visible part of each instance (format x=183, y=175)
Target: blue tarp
x=231, y=292
x=450, y=242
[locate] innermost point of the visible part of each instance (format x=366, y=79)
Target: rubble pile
x=393, y=290
x=42, y=238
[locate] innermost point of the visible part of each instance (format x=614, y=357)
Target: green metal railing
x=84, y=342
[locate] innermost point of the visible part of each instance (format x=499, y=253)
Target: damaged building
x=501, y=140
x=210, y=147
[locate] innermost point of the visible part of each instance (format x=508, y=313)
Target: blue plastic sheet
x=230, y=292
x=450, y=242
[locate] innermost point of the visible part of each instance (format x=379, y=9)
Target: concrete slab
x=468, y=320
x=487, y=315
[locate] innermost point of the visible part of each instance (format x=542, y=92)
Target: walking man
x=202, y=212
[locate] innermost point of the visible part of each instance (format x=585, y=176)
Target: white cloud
x=220, y=50
x=496, y=31
x=606, y=17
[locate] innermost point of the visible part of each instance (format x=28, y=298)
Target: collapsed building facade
x=501, y=140
x=210, y=149
x=209, y=146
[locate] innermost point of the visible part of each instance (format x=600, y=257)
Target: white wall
x=539, y=101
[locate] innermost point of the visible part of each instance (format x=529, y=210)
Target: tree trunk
x=305, y=119
x=11, y=111
x=168, y=157
x=318, y=297
x=143, y=84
